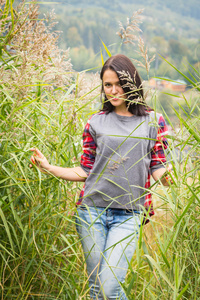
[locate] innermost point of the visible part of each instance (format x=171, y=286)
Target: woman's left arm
x=158, y=160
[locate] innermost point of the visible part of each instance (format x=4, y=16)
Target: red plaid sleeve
x=89, y=149
x=88, y=156
x=157, y=153
x=157, y=158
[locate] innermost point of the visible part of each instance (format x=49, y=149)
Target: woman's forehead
x=110, y=75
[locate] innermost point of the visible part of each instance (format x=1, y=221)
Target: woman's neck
x=123, y=112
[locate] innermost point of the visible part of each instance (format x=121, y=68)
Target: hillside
x=169, y=28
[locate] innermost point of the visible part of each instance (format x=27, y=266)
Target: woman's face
x=113, y=90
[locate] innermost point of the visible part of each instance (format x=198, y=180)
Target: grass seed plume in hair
x=130, y=81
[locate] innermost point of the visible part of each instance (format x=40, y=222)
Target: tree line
x=170, y=31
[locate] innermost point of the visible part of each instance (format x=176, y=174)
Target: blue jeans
x=109, y=238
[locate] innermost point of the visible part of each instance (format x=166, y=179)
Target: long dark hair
x=130, y=82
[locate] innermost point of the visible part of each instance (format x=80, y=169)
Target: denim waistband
x=109, y=209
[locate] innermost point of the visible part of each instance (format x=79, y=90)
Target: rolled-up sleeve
x=158, y=158
x=89, y=149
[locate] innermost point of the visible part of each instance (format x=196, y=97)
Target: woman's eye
x=108, y=85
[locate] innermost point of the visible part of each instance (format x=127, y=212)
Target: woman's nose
x=114, y=89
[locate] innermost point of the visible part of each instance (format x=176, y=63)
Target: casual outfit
x=119, y=155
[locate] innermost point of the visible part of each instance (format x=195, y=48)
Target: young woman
x=123, y=145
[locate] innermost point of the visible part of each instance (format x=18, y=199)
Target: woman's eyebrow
x=112, y=82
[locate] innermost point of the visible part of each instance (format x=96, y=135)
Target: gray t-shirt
x=122, y=161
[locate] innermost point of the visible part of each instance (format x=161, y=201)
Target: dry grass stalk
x=32, y=66
x=86, y=86
x=38, y=57
x=130, y=83
x=132, y=25
x=144, y=54
x=133, y=96
x=129, y=35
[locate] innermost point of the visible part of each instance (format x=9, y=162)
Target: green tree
x=73, y=37
x=164, y=70
x=82, y=58
x=177, y=49
x=160, y=44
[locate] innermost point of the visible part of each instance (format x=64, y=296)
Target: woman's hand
x=39, y=160
x=163, y=174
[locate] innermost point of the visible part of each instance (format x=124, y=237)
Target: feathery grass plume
x=129, y=82
x=132, y=25
x=32, y=64
x=88, y=86
x=143, y=51
x=130, y=35
x=31, y=44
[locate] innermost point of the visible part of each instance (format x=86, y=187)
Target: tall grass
x=41, y=105
x=40, y=253
x=171, y=245
x=39, y=246
x=46, y=105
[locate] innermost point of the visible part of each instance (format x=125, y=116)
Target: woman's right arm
x=70, y=174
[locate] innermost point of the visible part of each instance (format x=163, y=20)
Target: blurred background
x=169, y=28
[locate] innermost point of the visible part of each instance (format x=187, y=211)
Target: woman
x=123, y=145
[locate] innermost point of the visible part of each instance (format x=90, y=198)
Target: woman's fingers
x=37, y=155
x=32, y=159
x=39, y=160
x=37, y=152
x=35, y=161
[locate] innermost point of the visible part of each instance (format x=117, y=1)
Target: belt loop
x=129, y=210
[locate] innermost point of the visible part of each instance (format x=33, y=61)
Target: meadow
x=45, y=104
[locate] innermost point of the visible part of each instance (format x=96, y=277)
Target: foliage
x=170, y=24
